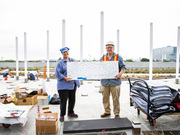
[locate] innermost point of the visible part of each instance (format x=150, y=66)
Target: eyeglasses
x=64, y=52
x=109, y=47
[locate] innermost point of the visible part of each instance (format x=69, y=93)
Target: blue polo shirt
x=113, y=82
x=61, y=72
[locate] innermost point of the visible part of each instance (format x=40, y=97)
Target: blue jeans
x=4, y=74
x=32, y=76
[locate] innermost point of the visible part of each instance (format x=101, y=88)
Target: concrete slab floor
x=88, y=106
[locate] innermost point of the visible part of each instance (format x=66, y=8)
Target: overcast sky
x=131, y=17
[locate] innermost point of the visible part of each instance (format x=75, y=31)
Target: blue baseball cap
x=64, y=48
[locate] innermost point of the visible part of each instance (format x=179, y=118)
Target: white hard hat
x=110, y=43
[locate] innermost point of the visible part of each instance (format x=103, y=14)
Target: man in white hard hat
x=112, y=85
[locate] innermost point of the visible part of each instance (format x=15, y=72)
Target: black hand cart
x=149, y=117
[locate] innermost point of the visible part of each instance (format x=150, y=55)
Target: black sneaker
x=61, y=119
x=73, y=115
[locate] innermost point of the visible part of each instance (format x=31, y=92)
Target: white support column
x=48, y=78
x=63, y=33
x=25, y=58
x=81, y=47
x=177, y=57
x=118, y=46
x=81, y=43
x=102, y=35
x=17, y=60
x=151, y=52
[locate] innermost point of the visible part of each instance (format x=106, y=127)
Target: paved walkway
x=87, y=107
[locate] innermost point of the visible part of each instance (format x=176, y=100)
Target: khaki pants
x=115, y=92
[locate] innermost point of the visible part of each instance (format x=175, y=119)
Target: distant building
x=165, y=53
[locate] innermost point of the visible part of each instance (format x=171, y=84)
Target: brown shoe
x=117, y=116
x=105, y=115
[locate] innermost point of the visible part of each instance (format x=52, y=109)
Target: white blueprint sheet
x=92, y=70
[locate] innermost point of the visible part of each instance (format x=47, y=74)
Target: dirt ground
x=144, y=133
x=161, y=133
x=120, y=133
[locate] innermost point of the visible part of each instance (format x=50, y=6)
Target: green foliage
x=153, y=133
x=143, y=71
x=144, y=60
x=59, y=59
x=126, y=71
x=166, y=61
x=34, y=68
x=137, y=71
x=168, y=70
x=94, y=59
x=129, y=60
x=34, y=61
x=7, y=61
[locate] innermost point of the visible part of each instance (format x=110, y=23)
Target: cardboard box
x=21, y=93
x=46, y=110
x=16, y=88
x=29, y=100
x=47, y=126
x=6, y=100
x=42, y=100
x=2, y=100
x=43, y=94
x=42, y=97
x=36, y=92
x=39, y=91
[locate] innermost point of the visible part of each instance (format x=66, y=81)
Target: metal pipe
x=151, y=52
x=25, y=57
x=177, y=56
x=118, y=42
x=102, y=35
x=48, y=56
x=81, y=43
x=63, y=33
x=17, y=60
